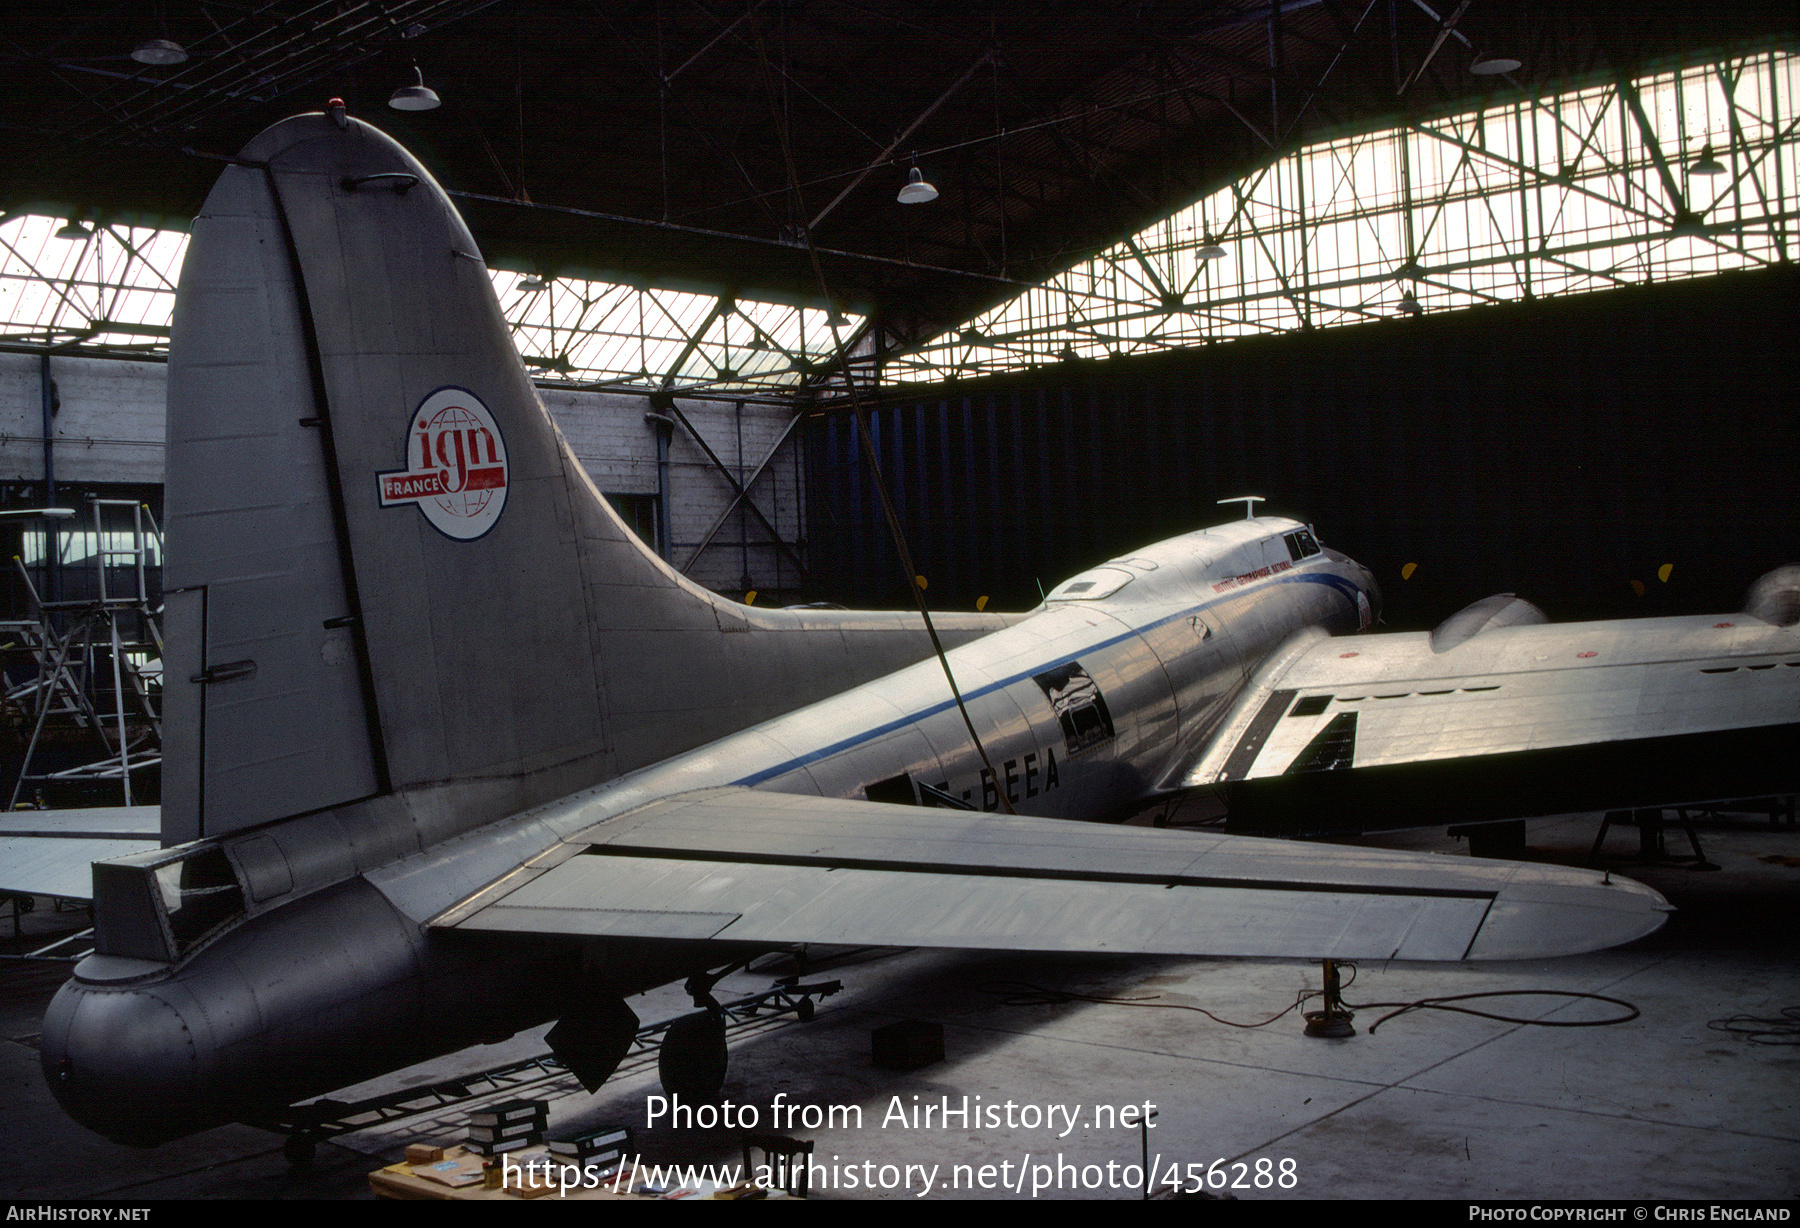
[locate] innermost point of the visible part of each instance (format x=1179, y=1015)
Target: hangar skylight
x=1679, y=174
x=73, y=283
x=1673, y=175
x=112, y=287
x=645, y=337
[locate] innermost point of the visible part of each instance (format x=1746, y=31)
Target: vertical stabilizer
x=393, y=576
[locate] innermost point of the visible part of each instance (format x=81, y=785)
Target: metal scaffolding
x=92, y=667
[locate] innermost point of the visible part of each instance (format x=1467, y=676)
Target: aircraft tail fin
x=387, y=573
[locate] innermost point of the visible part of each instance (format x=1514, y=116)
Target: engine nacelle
x=1500, y=610
x=1775, y=597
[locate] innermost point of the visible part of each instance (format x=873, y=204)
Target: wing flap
x=779, y=904
x=773, y=869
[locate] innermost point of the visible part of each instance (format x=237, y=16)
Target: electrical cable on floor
x=1783, y=1029
x=1024, y=993
x=1439, y=1004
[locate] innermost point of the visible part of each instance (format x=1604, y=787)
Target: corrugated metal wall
x=1561, y=450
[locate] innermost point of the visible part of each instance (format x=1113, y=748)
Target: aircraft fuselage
x=1086, y=709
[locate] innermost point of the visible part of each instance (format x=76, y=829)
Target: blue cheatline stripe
x=1341, y=585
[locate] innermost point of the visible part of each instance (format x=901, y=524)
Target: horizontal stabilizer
x=770, y=868
x=51, y=852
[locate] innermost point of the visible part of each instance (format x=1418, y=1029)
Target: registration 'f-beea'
x=449, y=754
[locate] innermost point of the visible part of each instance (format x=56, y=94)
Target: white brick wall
x=618, y=447
x=110, y=429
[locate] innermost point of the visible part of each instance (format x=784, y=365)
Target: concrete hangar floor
x=1678, y=1103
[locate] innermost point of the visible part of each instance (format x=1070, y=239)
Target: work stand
x=1333, y=1020
x=1652, y=839
x=94, y=666
x=306, y=1125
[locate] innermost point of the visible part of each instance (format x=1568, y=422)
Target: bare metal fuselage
x=402, y=705
x=1087, y=708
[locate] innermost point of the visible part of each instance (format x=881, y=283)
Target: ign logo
x=456, y=465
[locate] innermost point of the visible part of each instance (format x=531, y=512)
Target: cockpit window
x=1300, y=544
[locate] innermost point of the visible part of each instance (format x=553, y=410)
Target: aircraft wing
x=737, y=865
x=50, y=852
x=1324, y=705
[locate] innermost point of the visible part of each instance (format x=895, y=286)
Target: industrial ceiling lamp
x=419, y=97
x=1706, y=164
x=917, y=191
x=1209, y=249
x=1687, y=224
x=160, y=52
x=1488, y=65
x=1409, y=304
x=73, y=229
x=534, y=284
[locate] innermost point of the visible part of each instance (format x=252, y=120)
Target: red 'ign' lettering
x=459, y=477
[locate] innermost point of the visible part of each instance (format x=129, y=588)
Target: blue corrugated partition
x=1561, y=450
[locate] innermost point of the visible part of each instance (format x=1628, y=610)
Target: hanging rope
x=841, y=354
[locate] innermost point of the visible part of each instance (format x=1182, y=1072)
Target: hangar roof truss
x=1524, y=198
x=113, y=291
